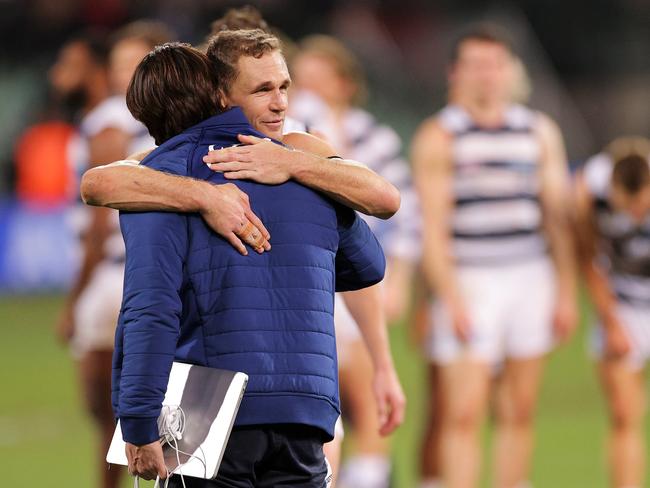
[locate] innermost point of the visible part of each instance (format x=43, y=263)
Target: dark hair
x=485, y=32
x=631, y=173
x=243, y=18
x=226, y=47
x=173, y=88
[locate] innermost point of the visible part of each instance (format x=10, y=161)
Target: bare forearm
x=438, y=267
x=563, y=254
x=366, y=308
x=347, y=182
x=137, y=188
x=601, y=293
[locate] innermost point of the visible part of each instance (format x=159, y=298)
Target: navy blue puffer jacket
x=189, y=296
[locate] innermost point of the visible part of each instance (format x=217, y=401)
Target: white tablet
x=202, y=403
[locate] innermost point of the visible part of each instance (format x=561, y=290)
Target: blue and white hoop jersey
x=497, y=217
x=623, y=244
x=358, y=135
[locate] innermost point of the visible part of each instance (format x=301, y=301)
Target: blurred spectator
x=47, y=153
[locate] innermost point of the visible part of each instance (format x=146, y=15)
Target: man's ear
x=222, y=99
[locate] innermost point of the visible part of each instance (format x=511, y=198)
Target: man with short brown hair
x=189, y=297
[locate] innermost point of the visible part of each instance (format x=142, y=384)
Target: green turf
x=46, y=439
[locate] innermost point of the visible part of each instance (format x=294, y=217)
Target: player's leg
x=625, y=395
x=515, y=410
x=430, y=469
x=95, y=318
x=528, y=338
x=369, y=465
x=465, y=385
x=465, y=373
x=95, y=375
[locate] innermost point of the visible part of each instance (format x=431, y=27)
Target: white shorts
x=510, y=309
x=98, y=309
x=635, y=319
x=347, y=330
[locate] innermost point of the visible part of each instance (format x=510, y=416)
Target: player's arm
x=125, y=185
x=397, y=283
x=555, y=200
x=107, y=145
x=595, y=277
x=366, y=308
x=345, y=181
x=431, y=157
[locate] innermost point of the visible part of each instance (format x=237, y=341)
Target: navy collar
x=231, y=117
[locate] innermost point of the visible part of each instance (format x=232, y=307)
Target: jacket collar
x=231, y=117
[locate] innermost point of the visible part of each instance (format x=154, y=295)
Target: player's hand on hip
x=146, y=461
x=391, y=402
x=617, y=343
x=227, y=211
x=258, y=160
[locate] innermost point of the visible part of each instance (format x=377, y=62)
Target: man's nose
x=278, y=101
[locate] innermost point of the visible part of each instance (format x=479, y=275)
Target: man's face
x=484, y=72
x=260, y=89
x=71, y=70
x=124, y=59
x=318, y=75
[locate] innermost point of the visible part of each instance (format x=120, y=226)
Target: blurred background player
x=430, y=470
x=613, y=209
x=90, y=314
x=329, y=89
x=492, y=180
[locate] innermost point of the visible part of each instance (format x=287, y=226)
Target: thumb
x=248, y=139
x=162, y=470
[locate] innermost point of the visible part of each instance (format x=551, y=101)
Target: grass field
x=46, y=439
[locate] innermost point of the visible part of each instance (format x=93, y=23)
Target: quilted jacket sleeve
x=156, y=247
x=360, y=260
x=156, y=244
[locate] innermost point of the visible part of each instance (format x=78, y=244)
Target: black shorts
x=269, y=456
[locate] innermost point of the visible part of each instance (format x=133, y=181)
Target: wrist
x=201, y=195
x=139, y=431
x=383, y=364
x=301, y=165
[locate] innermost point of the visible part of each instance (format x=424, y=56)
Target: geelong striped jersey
x=497, y=216
x=359, y=136
x=623, y=243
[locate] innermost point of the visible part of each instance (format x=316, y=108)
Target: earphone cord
x=171, y=431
